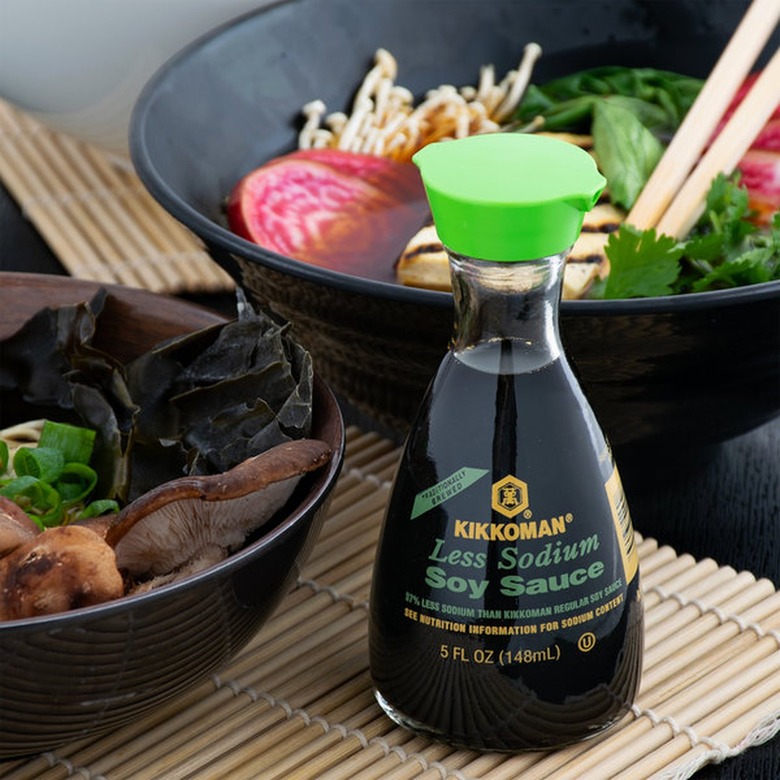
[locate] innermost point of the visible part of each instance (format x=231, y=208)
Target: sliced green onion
x=75, y=443
x=36, y=497
x=44, y=463
x=75, y=482
x=17, y=487
x=104, y=506
x=53, y=481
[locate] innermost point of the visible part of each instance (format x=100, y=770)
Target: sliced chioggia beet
x=330, y=208
x=760, y=173
x=192, y=522
x=60, y=569
x=759, y=169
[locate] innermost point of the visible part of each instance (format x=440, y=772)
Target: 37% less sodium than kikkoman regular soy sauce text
x=505, y=605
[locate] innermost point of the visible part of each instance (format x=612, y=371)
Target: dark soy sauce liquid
x=441, y=658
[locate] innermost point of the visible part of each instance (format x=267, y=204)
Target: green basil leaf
x=627, y=152
x=662, y=97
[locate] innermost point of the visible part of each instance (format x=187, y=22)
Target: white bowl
x=78, y=65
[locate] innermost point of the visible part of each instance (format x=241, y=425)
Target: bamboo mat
x=96, y=215
x=297, y=702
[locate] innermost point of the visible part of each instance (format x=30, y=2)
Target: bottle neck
x=506, y=314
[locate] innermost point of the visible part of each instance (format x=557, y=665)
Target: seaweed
x=195, y=404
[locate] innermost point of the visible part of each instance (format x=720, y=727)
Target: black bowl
x=89, y=670
x=676, y=374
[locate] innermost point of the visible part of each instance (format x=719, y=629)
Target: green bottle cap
x=508, y=196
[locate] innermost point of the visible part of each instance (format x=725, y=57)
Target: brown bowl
x=92, y=669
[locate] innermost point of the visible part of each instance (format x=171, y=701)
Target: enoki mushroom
x=385, y=122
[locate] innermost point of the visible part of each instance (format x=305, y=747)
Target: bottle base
x=407, y=722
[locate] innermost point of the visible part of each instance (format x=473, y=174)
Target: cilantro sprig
x=725, y=249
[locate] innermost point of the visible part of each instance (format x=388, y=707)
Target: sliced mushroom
x=98, y=525
x=16, y=527
x=205, y=559
x=60, y=569
x=201, y=518
x=424, y=262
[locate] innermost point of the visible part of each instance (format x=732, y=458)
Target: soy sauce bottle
x=505, y=604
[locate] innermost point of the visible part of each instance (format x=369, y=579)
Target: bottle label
x=623, y=526
x=514, y=572
x=445, y=489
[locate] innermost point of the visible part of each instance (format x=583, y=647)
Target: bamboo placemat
x=297, y=702
x=96, y=215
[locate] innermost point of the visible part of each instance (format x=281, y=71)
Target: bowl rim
x=215, y=234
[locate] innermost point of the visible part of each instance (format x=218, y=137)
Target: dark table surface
x=726, y=506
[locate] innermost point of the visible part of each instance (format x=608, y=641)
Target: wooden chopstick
x=726, y=151
x=700, y=122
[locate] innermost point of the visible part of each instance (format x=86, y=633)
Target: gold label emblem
x=510, y=496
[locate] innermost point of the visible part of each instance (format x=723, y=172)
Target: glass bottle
x=505, y=604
